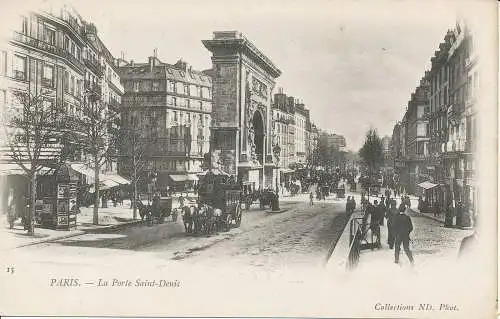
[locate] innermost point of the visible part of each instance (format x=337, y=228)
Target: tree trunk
x=134, y=200
x=95, y=218
x=31, y=210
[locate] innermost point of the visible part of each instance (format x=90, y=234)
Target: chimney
x=132, y=62
x=152, y=61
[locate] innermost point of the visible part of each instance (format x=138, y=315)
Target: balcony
x=455, y=111
x=50, y=48
x=92, y=90
x=94, y=66
x=114, y=105
x=456, y=146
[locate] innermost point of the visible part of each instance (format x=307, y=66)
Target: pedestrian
x=435, y=209
x=402, y=226
x=381, y=211
x=311, y=199
x=375, y=223
x=391, y=213
x=367, y=213
x=407, y=201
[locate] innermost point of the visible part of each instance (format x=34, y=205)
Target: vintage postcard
x=249, y=158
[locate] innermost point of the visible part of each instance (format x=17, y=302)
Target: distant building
x=284, y=128
x=172, y=105
x=336, y=141
x=387, y=152
x=301, y=118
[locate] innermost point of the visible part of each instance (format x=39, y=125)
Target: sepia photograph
x=249, y=158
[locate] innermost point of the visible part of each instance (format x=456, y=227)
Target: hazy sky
x=353, y=63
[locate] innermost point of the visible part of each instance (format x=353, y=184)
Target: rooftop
x=156, y=69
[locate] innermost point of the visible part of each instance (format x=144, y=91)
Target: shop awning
x=104, y=185
x=192, y=177
x=118, y=179
x=14, y=169
x=83, y=169
x=112, y=179
x=427, y=185
x=215, y=171
x=179, y=178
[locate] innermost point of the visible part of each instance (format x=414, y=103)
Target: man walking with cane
x=402, y=227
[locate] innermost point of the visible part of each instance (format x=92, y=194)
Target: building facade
x=301, y=117
x=284, y=128
x=416, y=136
x=58, y=54
x=171, y=105
x=445, y=155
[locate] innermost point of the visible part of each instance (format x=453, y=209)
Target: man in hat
x=402, y=227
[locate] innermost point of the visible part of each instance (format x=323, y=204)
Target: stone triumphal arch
x=243, y=82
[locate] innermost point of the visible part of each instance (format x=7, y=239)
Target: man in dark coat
x=381, y=211
x=391, y=213
x=402, y=226
x=375, y=222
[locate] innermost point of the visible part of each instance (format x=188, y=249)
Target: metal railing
x=48, y=47
x=358, y=230
x=355, y=236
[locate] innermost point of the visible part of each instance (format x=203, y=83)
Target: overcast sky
x=353, y=63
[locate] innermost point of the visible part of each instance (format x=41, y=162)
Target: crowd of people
x=399, y=224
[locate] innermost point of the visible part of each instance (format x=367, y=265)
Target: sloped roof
x=164, y=71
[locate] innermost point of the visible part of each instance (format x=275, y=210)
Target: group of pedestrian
x=350, y=205
x=399, y=224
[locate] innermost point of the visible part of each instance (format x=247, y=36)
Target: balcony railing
x=93, y=90
x=94, y=66
x=455, y=146
x=455, y=110
x=48, y=47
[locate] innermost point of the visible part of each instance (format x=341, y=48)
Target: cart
x=223, y=197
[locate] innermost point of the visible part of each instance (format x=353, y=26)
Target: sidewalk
x=431, y=244
x=109, y=218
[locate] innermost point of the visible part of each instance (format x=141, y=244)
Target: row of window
x=187, y=103
x=171, y=86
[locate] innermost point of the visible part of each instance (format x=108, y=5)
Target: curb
x=112, y=227
x=48, y=240
x=82, y=232
x=426, y=215
x=335, y=243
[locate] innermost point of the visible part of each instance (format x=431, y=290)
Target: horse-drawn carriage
x=219, y=204
x=157, y=211
x=267, y=198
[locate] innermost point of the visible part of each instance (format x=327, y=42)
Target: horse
x=144, y=210
x=187, y=217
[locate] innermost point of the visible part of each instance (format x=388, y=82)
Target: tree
x=371, y=152
x=96, y=133
x=33, y=131
x=134, y=149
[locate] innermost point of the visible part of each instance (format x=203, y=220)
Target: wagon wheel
x=237, y=215
x=228, y=221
